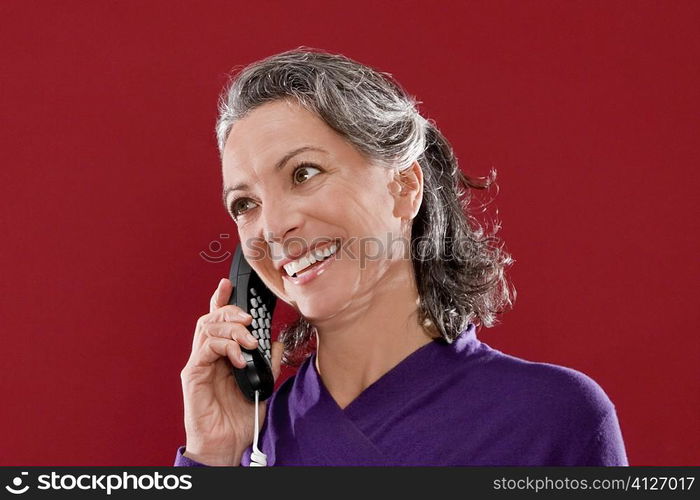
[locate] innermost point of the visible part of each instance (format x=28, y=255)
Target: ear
x=407, y=191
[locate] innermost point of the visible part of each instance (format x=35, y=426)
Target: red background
x=110, y=188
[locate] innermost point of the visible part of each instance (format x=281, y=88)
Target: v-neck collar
x=318, y=432
x=403, y=371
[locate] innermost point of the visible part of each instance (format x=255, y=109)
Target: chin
x=317, y=310
x=323, y=298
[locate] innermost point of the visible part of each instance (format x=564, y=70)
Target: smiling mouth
x=309, y=260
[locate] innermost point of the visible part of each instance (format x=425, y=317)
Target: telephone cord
x=257, y=457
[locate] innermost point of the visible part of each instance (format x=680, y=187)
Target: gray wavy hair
x=459, y=268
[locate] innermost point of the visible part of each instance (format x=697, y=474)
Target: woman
x=323, y=154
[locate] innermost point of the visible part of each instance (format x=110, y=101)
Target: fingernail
x=241, y=358
x=250, y=337
x=244, y=315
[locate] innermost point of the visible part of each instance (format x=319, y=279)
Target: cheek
x=259, y=258
x=354, y=205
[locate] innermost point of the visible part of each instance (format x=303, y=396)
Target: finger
x=215, y=348
x=198, y=337
x=277, y=352
x=234, y=331
x=229, y=312
x=221, y=295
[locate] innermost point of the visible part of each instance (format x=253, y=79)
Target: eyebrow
x=278, y=166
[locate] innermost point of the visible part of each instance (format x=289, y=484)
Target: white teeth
x=311, y=258
x=321, y=254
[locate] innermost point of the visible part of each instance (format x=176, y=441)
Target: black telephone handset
x=253, y=296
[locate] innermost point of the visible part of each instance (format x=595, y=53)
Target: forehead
x=271, y=130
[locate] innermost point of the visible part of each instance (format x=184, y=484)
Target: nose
x=279, y=220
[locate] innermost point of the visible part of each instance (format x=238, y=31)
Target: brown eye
x=239, y=206
x=304, y=172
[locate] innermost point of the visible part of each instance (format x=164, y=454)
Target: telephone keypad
x=261, y=323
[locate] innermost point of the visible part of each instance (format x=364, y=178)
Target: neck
x=356, y=348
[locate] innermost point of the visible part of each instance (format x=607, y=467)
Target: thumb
x=277, y=352
x=221, y=295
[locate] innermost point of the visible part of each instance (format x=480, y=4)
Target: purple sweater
x=463, y=403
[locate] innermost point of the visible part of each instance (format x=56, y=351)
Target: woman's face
x=327, y=192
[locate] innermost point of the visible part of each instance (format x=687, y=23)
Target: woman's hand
x=219, y=420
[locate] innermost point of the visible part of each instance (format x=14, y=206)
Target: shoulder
x=572, y=417
x=538, y=389
x=567, y=405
